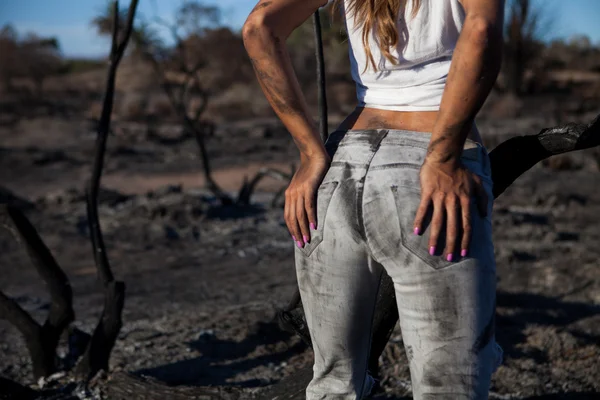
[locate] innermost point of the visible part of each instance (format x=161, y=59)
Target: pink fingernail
x=299, y=243
x=305, y=239
x=432, y=250
x=449, y=257
x=463, y=253
x=416, y=230
x=294, y=237
x=313, y=226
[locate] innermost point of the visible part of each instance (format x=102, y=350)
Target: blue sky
x=69, y=20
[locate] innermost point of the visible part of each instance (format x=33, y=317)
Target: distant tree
x=202, y=52
x=31, y=57
x=581, y=42
x=195, y=18
x=9, y=51
x=525, y=25
x=41, y=58
x=576, y=52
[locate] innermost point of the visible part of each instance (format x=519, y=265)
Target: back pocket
x=407, y=202
x=324, y=195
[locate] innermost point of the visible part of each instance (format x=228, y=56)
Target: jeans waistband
x=375, y=138
x=392, y=135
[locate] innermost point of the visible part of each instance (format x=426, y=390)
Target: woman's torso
x=407, y=95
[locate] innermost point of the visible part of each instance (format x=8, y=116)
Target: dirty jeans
x=366, y=205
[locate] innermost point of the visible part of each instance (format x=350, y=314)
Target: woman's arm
x=265, y=33
x=473, y=71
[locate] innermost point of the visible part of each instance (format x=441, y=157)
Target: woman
x=403, y=185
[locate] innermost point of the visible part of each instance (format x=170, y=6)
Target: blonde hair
x=379, y=16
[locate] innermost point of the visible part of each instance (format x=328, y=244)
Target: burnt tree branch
x=103, y=339
x=43, y=361
x=515, y=156
x=41, y=340
x=248, y=187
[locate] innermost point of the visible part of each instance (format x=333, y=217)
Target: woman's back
x=426, y=42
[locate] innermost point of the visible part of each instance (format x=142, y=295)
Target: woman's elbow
x=255, y=31
x=483, y=31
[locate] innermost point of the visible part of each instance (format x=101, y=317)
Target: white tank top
x=426, y=44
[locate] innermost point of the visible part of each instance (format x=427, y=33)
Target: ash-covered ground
x=204, y=281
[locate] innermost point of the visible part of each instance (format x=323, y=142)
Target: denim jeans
x=366, y=205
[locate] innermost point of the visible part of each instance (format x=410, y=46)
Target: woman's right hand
x=301, y=196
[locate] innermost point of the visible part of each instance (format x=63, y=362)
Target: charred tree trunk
x=321, y=84
x=98, y=351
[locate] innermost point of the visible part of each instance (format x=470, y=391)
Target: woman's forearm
x=275, y=73
x=473, y=71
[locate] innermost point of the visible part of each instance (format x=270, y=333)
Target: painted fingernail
x=416, y=230
x=449, y=257
x=294, y=237
x=313, y=226
x=299, y=243
x=305, y=239
x=432, y=250
x=463, y=253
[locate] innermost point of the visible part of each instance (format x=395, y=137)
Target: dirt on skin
x=204, y=281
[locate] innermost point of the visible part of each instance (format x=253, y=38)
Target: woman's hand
x=476, y=61
x=449, y=187
x=265, y=33
x=300, y=197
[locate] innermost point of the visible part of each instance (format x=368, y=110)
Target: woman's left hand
x=449, y=187
x=300, y=210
